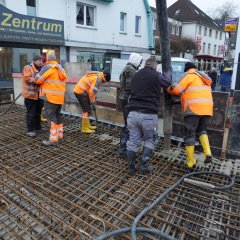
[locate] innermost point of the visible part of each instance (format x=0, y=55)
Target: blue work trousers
x=142, y=127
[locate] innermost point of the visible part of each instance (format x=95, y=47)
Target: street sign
x=231, y=24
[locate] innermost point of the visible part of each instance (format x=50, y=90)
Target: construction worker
x=30, y=92
x=52, y=81
x=86, y=91
x=197, y=106
x=126, y=76
x=142, y=119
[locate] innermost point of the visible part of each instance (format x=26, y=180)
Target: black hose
x=11, y=105
x=139, y=230
x=185, y=178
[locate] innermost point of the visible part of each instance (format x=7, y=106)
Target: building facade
x=208, y=34
x=89, y=31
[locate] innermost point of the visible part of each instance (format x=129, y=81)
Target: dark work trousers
x=142, y=127
x=84, y=102
x=194, y=126
x=53, y=112
x=124, y=135
x=34, y=109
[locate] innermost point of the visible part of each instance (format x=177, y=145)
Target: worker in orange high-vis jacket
x=86, y=91
x=197, y=106
x=52, y=80
x=30, y=92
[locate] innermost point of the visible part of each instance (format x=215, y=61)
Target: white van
x=178, y=65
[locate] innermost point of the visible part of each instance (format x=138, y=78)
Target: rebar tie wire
x=186, y=178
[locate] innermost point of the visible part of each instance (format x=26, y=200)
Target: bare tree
x=228, y=9
x=184, y=45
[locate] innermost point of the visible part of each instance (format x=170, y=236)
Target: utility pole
x=161, y=6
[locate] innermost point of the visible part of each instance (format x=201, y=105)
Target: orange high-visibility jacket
x=195, y=93
x=52, y=79
x=90, y=83
x=29, y=89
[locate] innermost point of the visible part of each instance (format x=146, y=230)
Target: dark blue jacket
x=145, y=90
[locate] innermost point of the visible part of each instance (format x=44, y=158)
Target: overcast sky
x=204, y=5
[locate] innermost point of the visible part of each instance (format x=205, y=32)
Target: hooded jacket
x=29, y=89
x=195, y=93
x=90, y=84
x=52, y=80
x=127, y=74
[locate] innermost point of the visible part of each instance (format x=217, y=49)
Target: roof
x=186, y=11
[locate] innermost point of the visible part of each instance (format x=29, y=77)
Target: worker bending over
x=142, y=119
x=86, y=91
x=52, y=80
x=197, y=106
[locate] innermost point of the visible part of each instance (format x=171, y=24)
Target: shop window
x=85, y=15
x=31, y=7
x=137, y=25
x=123, y=22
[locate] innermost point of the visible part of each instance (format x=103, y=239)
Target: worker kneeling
x=86, y=91
x=197, y=106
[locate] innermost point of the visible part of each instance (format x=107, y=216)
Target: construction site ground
x=81, y=189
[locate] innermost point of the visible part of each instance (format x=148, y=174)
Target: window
x=210, y=32
x=220, y=37
x=85, y=15
x=154, y=23
x=204, y=47
x=205, y=31
x=209, y=48
x=31, y=7
x=216, y=34
x=215, y=50
x=123, y=22
x=199, y=30
x=173, y=29
x=137, y=25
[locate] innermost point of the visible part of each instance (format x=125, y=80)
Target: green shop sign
x=15, y=27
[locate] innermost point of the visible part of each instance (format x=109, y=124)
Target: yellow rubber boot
x=206, y=148
x=191, y=161
x=85, y=126
x=92, y=127
x=43, y=119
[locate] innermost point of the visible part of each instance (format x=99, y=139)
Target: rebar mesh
x=81, y=189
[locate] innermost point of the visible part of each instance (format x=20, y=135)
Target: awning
x=207, y=57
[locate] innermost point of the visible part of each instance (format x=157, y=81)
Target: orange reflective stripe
x=53, y=133
x=198, y=100
x=197, y=88
x=55, y=82
x=52, y=91
x=85, y=115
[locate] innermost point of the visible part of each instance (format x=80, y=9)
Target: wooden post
x=161, y=6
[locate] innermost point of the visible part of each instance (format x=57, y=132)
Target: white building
x=207, y=33
x=92, y=30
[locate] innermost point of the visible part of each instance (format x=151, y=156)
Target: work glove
x=168, y=74
x=93, y=106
